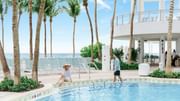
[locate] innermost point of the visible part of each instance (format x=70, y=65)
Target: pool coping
x=50, y=89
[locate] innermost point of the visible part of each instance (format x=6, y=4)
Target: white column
x=141, y=9
x=105, y=58
x=141, y=50
x=178, y=46
x=162, y=53
x=161, y=8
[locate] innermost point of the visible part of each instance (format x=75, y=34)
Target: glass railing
x=148, y=16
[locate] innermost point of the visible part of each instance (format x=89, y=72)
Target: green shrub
x=86, y=51
x=161, y=74
x=6, y=84
x=125, y=66
x=134, y=54
x=25, y=84
x=158, y=73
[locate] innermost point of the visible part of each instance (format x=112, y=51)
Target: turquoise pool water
x=127, y=91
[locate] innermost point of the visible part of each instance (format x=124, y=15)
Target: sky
x=63, y=27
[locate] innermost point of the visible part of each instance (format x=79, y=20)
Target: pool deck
x=49, y=79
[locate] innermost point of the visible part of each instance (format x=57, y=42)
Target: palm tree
x=2, y=21
x=36, y=8
x=37, y=41
x=169, y=37
x=112, y=29
x=131, y=32
x=3, y=11
x=16, y=44
x=47, y=2
x=30, y=29
x=52, y=11
x=45, y=51
x=96, y=28
x=5, y=67
x=73, y=10
x=22, y=4
x=85, y=4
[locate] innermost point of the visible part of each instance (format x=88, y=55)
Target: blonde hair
x=66, y=66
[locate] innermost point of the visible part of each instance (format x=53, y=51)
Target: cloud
x=124, y=1
x=101, y=3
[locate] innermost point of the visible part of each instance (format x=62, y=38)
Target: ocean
x=57, y=61
x=55, y=55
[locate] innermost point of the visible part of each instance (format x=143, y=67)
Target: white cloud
x=103, y=4
x=124, y=1
x=100, y=3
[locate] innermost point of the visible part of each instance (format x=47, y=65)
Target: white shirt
x=174, y=54
x=116, y=64
x=67, y=74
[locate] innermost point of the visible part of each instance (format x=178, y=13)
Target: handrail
x=147, y=16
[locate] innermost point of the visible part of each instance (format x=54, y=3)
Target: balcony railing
x=148, y=16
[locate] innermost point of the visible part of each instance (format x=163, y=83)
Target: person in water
x=116, y=68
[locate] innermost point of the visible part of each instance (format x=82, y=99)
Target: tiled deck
x=50, y=79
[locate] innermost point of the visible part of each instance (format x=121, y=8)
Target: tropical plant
x=37, y=41
x=22, y=5
x=73, y=10
x=162, y=74
x=134, y=54
x=169, y=37
x=53, y=11
x=36, y=8
x=3, y=10
x=86, y=51
x=126, y=66
x=25, y=84
x=44, y=20
x=131, y=31
x=85, y=4
x=118, y=53
x=16, y=43
x=5, y=67
x=96, y=29
x=112, y=29
x=30, y=3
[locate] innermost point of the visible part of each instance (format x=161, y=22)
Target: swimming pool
x=127, y=91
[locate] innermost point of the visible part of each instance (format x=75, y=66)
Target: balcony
x=148, y=25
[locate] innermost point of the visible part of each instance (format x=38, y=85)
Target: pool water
x=127, y=91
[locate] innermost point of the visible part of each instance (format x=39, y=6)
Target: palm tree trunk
x=30, y=30
x=92, y=36
x=74, y=30
x=45, y=52
x=131, y=32
x=112, y=29
x=96, y=28
x=16, y=44
x=37, y=41
x=51, y=35
x=2, y=25
x=19, y=18
x=169, y=37
x=5, y=67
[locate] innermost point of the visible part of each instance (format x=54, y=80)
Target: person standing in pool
x=116, y=68
x=66, y=76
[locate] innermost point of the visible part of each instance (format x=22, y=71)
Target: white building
x=149, y=25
